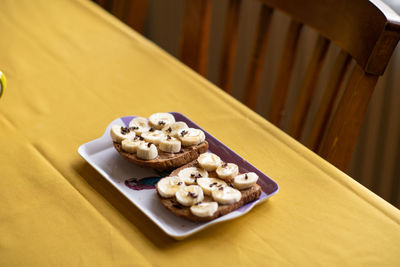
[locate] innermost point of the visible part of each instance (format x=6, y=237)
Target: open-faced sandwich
x=207, y=188
x=159, y=142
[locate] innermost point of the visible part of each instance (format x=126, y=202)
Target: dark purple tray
x=269, y=186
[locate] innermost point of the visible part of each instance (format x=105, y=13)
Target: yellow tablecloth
x=71, y=70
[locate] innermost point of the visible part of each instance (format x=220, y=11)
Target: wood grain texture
x=329, y=100
x=284, y=75
x=254, y=73
x=308, y=87
x=196, y=34
x=346, y=123
x=367, y=30
x=135, y=14
x=229, y=45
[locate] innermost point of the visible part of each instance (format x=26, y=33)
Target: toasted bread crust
x=248, y=195
x=166, y=161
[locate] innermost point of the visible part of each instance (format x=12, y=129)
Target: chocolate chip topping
x=149, y=144
x=169, y=129
x=151, y=129
x=191, y=194
x=211, y=185
x=183, y=133
x=134, y=128
x=179, y=183
x=193, y=175
x=161, y=123
x=169, y=137
x=125, y=130
x=225, y=165
x=245, y=177
x=221, y=188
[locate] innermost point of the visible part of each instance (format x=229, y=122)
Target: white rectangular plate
x=100, y=153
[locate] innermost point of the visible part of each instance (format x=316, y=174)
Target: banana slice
x=204, y=209
x=174, y=128
x=227, y=171
x=191, y=174
x=160, y=120
x=189, y=195
x=147, y=151
x=153, y=136
x=226, y=195
x=168, y=186
x=246, y=180
x=210, y=184
x=191, y=136
x=131, y=145
x=170, y=144
x=139, y=125
x=119, y=133
x=209, y=161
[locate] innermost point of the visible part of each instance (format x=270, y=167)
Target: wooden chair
x=366, y=31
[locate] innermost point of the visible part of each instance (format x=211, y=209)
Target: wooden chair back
x=366, y=31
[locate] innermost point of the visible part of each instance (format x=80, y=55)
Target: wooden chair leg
x=329, y=100
x=196, y=34
x=347, y=121
x=229, y=46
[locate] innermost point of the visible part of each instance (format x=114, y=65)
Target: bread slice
x=166, y=161
x=248, y=195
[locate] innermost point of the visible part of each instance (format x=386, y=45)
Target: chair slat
x=308, y=87
x=347, y=121
x=285, y=69
x=196, y=34
x=135, y=13
x=255, y=69
x=229, y=45
x=117, y=8
x=106, y=4
x=329, y=100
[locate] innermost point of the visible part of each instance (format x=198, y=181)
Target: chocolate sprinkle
x=211, y=185
x=245, y=177
x=221, y=188
x=183, y=133
x=191, y=194
x=169, y=137
x=125, y=130
x=134, y=128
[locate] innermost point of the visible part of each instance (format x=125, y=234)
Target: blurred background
x=376, y=159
